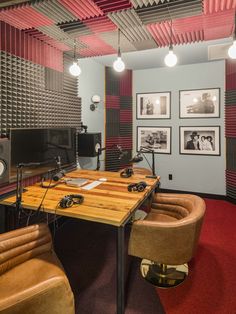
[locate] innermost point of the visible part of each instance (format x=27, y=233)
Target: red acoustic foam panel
x=110, y=6
x=213, y=6
x=24, y=17
x=21, y=44
x=215, y=25
x=126, y=83
x=188, y=24
x=100, y=24
x=82, y=8
x=96, y=44
x=125, y=116
x=230, y=118
x=125, y=142
x=112, y=102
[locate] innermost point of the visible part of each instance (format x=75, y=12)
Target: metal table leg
x=120, y=299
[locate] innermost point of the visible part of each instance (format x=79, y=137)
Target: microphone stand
x=98, y=157
x=144, y=150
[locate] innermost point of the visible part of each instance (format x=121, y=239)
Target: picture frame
x=157, y=138
x=199, y=140
x=199, y=103
x=155, y=105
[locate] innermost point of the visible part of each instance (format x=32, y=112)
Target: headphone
x=70, y=200
x=127, y=172
x=139, y=187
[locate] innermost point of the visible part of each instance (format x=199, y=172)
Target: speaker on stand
x=4, y=160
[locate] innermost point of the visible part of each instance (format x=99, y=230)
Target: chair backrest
x=22, y=244
x=171, y=240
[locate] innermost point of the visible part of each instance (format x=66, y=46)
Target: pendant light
x=75, y=69
x=170, y=58
x=118, y=64
x=232, y=48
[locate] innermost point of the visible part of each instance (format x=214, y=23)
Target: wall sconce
x=95, y=101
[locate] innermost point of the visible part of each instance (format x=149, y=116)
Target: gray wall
x=91, y=82
x=204, y=174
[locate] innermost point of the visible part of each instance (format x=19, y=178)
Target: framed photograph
x=157, y=138
x=199, y=103
x=153, y=105
x=200, y=140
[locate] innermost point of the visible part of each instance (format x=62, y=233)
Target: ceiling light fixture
x=171, y=59
x=118, y=64
x=75, y=69
x=232, y=48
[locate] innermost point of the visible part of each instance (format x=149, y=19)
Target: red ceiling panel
x=116, y=5
x=24, y=17
x=100, y=24
x=213, y=6
x=189, y=24
x=96, y=44
x=82, y=8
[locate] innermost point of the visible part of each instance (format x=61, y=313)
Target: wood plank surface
x=110, y=202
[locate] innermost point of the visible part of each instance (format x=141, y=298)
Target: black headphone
x=139, y=187
x=127, y=172
x=69, y=200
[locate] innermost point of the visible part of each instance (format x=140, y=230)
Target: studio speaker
x=88, y=144
x=4, y=160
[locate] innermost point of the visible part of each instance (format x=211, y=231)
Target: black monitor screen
x=42, y=146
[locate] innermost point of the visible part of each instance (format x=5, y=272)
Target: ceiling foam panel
x=131, y=25
x=166, y=11
x=111, y=38
x=96, y=44
x=214, y=6
x=100, y=24
x=24, y=17
x=111, y=6
x=141, y=3
x=82, y=8
x=53, y=10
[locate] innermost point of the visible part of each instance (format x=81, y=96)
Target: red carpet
x=211, y=284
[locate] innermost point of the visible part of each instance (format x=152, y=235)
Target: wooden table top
x=109, y=202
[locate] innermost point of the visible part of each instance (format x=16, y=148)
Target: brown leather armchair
x=32, y=279
x=168, y=237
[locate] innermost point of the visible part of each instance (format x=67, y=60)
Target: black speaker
x=4, y=160
x=88, y=144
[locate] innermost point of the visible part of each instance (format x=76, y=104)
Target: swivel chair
x=167, y=238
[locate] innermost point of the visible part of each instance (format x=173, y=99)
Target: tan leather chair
x=32, y=280
x=168, y=237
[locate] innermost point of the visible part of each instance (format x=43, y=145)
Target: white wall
x=204, y=174
x=91, y=82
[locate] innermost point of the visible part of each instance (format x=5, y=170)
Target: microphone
x=58, y=175
x=29, y=164
x=136, y=158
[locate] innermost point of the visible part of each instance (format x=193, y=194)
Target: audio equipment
x=136, y=158
x=89, y=144
x=127, y=172
x=58, y=175
x=139, y=187
x=122, y=153
x=4, y=160
x=69, y=200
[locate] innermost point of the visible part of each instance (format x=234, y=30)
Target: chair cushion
x=36, y=286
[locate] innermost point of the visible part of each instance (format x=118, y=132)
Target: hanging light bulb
x=75, y=69
x=170, y=59
x=118, y=64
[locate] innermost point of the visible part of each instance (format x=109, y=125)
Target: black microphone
x=58, y=175
x=29, y=164
x=136, y=158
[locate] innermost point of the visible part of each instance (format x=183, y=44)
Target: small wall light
x=95, y=101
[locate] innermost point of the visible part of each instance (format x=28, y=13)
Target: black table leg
x=120, y=301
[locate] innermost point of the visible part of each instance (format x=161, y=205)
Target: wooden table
x=108, y=203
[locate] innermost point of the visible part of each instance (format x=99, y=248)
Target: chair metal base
x=163, y=276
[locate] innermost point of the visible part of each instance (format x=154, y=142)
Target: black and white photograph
x=153, y=105
x=204, y=140
x=200, y=103
x=156, y=138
